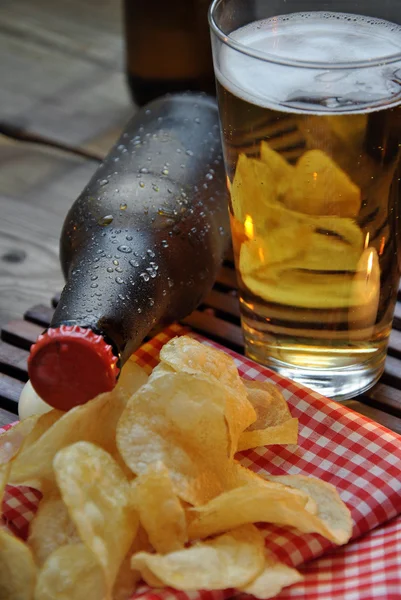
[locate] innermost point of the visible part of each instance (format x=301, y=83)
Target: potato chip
x=94, y=421
x=274, y=424
x=12, y=439
x=184, y=354
x=274, y=577
x=17, y=568
x=179, y=419
x=320, y=187
x=269, y=403
x=132, y=377
x=277, y=505
x=280, y=170
x=160, y=511
x=51, y=528
x=331, y=510
x=98, y=498
x=127, y=578
x=252, y=189
x=230, y=560
x=71, y=573
x=286, y=433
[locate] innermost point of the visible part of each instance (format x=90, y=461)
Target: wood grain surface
x=61, y=71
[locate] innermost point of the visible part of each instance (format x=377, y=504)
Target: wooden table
x=63, y=102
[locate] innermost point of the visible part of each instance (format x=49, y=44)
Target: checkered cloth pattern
x=360, y=457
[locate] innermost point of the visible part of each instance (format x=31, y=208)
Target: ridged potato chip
x=98, y=498
x=274, y=577
x=160, y=511
x=51, y=528
x=17, y=568
x=184, y=354
x=71, y=573
x=179, y=419
x=230, y=560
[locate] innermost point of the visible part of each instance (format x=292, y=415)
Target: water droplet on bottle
x=197, y=120
x=103, y=182
x=141, y=184
x=189, y=152
x=151, y=302
x=119, y=270
x=120, y=147
x=139, y=310
x=164, y=292
x=222, y=231
x=94, y=277
x=134, y=263
x=119, y=280
x=165, y=243
x=178, y=150
x=115, y=262
x=116, y=159
x=170, y=282
x=144, y=276
x=148, y=111
x=123, y=206
x=144, y=170
x=155, y=187
x=103, y=221
x=109, y=269
x=129, y=238
x=94, y=285
x=209, y=176
x=150, y=253
x=125, y=249
x=165, y=171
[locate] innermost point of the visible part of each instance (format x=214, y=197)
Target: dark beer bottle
x=140, y=246
x=167, y=47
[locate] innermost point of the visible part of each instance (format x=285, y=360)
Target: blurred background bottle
x=167, y=47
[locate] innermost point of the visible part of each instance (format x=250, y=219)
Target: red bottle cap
x=70, y=365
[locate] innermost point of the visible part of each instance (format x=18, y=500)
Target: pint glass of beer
x=310, y=104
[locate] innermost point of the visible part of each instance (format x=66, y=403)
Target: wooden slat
x=61, y=71
x=6, y=417
x=13, y=361
x=388, y=397
x=394, y=347
x=392, y=372
x=40, y=314
x=225, y=333
x=223, y=302
x=10, y=391
x=389, y=421
x=227, y=278
x=21, y=333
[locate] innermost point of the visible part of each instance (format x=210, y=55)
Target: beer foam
x=318, y=37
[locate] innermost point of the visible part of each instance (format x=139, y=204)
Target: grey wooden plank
x=6, y=417
x=62, y=71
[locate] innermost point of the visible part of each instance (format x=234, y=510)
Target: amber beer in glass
x=167, y=47
x=311, y=122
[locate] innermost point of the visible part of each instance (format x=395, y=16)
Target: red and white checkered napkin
x=361, y=458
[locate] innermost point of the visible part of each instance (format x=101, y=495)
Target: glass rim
x=290, y=62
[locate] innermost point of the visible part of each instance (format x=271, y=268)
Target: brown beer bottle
x=167, y=47
x=140, y=246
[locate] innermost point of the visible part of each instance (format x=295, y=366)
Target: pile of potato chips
x=141, y=485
